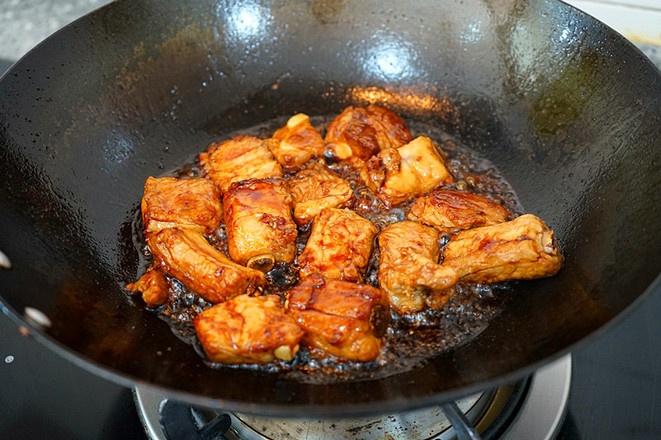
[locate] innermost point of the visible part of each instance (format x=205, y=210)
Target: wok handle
x=461, y=425
x=178, y=422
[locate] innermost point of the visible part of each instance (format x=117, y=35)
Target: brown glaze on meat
x=452, y=211
x=174, y=203
x=396, y=175
x=258, y=223
x=240, y=158
x=339, y=246
x=315, y=189
x=409, y=271
x=523, y=248
x=361, y=132
x=248, y=330
x=341, y=318
x=153, y=286
x=187, y=256
x=381, y=191
x=296, y=143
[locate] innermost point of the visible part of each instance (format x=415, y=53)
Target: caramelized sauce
x=408, y=339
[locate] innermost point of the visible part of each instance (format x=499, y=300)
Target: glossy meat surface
x=409, y=272
x=187, y=256
x=396, y=175
x=361, y=132
x=173, y=203
x=296, y=143
x=339, y=246
x=343, y=319
x=246, y=329
x=153, y=286
x=258, y=222
x=240, y=158
x=452, y=211
x=231, y=238
x=523, y=248
x=315, y=189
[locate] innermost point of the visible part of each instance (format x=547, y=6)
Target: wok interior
x=567, y=110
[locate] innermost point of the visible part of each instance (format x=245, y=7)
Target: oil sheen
x=409, y=339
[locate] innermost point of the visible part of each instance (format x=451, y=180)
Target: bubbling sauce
x=409, y=339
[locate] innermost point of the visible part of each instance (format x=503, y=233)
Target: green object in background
x=564, y=99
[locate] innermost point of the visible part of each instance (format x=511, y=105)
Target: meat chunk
x=187, y=256
x=315, y=189
x=452, y=211
x=260, y=229
x=174, y=203
x=523, y=248
x=409, y=271
x=396, y=175
x=343, y=319
x=248, y=330
x=240, y=158
x=296, y=143
x=153, y=286
x=361, y=132
x=339, y=246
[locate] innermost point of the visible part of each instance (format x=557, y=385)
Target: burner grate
x=531, y=409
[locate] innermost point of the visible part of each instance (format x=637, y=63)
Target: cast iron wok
x=569, y=111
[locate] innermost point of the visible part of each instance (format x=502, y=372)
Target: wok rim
x=317, y=410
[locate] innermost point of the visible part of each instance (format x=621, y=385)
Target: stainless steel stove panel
x=539, y=417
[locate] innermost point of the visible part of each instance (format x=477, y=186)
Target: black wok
x=569, y=111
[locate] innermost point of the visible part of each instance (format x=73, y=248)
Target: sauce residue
x=409, y=339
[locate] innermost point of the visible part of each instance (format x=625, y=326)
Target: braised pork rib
x=326, y=243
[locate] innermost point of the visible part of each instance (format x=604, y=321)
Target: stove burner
x=530, y=409
x=184, y=422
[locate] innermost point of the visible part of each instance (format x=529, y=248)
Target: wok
x=568, y=110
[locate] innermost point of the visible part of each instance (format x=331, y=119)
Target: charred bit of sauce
x=408, y=340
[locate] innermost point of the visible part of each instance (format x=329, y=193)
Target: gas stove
x=615, y=384
x=532, y=408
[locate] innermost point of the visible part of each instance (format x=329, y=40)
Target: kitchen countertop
x=24, y=23
x=41, y=392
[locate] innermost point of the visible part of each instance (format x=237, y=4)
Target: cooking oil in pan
x=409, y=339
